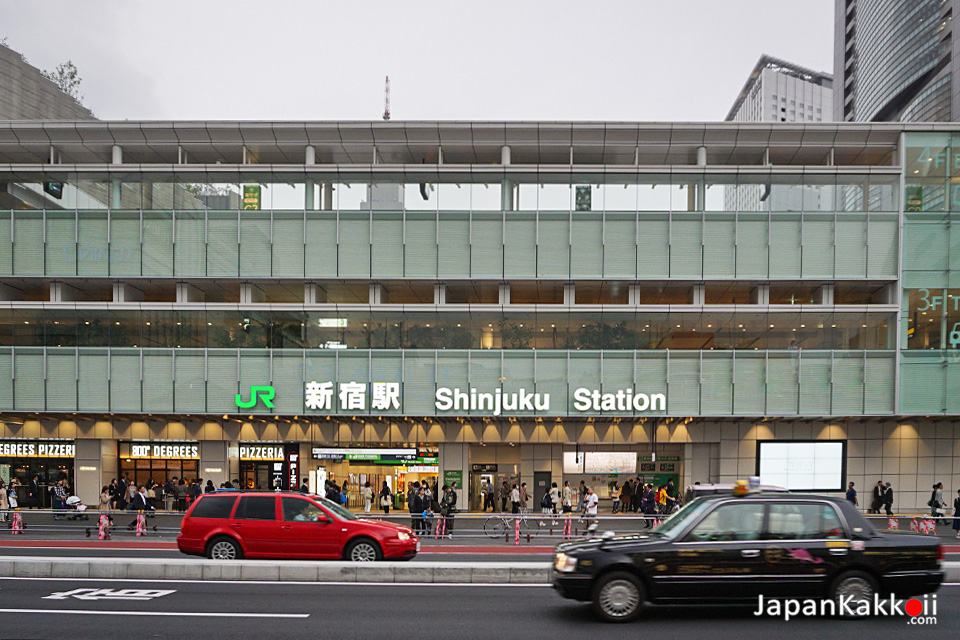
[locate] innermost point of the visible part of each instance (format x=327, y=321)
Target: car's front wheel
x=618, y=597
x=224, y=548
x=363, y=550
x=853, y=594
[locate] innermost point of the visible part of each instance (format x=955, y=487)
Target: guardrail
x=506, y=527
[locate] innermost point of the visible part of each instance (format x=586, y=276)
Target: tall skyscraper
x=780, y=91
x=893, y=60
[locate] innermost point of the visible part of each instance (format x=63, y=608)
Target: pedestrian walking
x=4, y=502
x=956, y=514
x=877, y=502
x=515, y=498
x=59, y=497
x=12, y=494
x=555, y=498
x=524, y=496
x=448, y=507
x=581, y=496
x=888, y=499
x=181, y=495
x=938, y=508
x=852, y=495
x=367, y=497
x=615, y=492
x=209, y=488
x=567, y=497
x=590, y=503
x=626, y=496
x=425, y=513
x=385, y=498
x=504, y=497
x=104, y=498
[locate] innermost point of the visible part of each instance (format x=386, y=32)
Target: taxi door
x=808, y=546
x=719, y=559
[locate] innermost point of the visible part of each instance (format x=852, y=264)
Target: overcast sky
x=639, y=60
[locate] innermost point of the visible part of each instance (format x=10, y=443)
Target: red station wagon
x=229, y=525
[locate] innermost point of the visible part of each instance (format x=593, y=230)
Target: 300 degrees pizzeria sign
x=36, y=449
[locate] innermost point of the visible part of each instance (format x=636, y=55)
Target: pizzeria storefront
x=159, y=461
x=49, y=460
x=267, y=466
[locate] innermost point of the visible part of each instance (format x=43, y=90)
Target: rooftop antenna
x=386, y=100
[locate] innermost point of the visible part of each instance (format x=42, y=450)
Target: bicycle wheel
x=495, y=527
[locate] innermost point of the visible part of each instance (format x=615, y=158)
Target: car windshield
x=337, y=509
x=672, y=525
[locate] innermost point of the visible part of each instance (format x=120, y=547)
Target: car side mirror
x=323, y=521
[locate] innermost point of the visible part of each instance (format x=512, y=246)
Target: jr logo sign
x=263, y=393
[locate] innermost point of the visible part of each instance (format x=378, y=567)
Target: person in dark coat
x=877, y=501
x=33, y=493
x=415, y=504
x=888, y=499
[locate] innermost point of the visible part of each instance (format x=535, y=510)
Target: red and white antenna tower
x=386, y=100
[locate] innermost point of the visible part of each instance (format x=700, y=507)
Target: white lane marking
x=110, y=594
x=302, y=583
x=169, y=614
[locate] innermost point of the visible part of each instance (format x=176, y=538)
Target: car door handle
x=287, y=527
x=838, y=552
x=750, y=553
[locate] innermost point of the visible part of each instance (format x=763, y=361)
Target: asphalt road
x=133, y=554
x=269, y=610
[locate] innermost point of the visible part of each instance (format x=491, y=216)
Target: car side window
x=732, y=521
x=214, y=507
x=300, y=510
x=257, y=508
x=803, y=521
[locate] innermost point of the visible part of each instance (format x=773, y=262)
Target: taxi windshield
x=337, y=509
x=672, y=525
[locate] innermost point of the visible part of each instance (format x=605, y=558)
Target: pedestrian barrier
x=17, y=524
x=141, y=524
x=104, y=527
x=568, y=527
x=441, y=529
x=893, y=524
x=517, y=534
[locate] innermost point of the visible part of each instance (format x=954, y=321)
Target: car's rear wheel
x=850, y=590
x=618, y=597
x=224, y=548
x=363, y=550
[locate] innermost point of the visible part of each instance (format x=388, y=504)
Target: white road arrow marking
x=110, y=594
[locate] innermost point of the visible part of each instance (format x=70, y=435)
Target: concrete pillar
x=251, y=293
x=186, y=292
x=439, y=293
x=760, y=294
x=213, y=461
x=825, y=295
x=506, y=187
x=313, y=293
x=454, y=457
x=698, y=294
x=376, y=293
x=310, y=157
x=115, y=187
x=327, y=189
x=62, y=292
x=87, y=472
x=569, y=294
x=126, y=292
x=504, y=293
x=701, y=156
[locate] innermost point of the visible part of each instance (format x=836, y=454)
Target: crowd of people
x=425, y=504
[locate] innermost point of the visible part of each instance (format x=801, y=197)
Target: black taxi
x=734, y=548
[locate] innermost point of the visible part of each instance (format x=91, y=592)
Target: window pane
x=730, y=522
x=257, y=508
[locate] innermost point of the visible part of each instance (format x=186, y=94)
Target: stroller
x=76, y=508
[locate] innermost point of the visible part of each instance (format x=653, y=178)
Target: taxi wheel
x=853, y=587
x=224, y=548
x=618, y=597
x=363, y=550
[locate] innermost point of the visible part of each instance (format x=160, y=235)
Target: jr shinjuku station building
x=534, y=302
